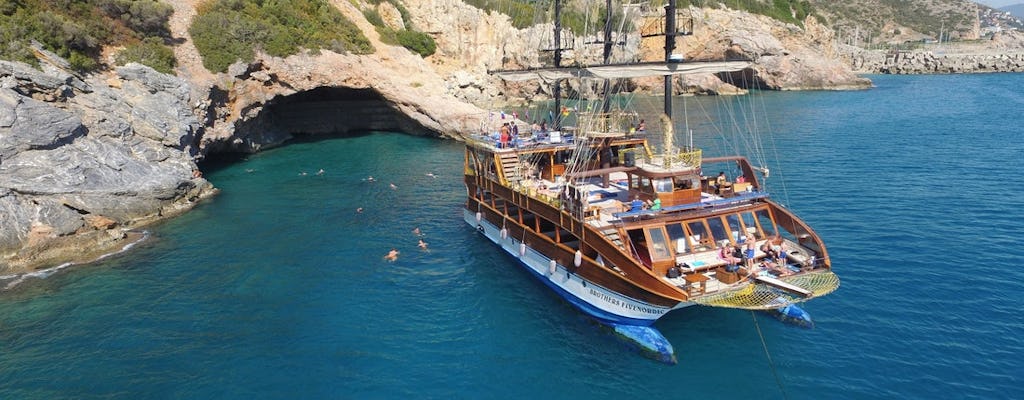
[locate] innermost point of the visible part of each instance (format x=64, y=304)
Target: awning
x=633, y=70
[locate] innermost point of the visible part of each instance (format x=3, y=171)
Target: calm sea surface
x=277, y=287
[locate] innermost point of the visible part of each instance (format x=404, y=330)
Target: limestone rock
x=91, y=161
x=29, y=124
x=391, y=16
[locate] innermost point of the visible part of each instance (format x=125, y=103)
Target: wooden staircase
x=612, y=235
x=510, y=166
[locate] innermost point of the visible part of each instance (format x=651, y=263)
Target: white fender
x=504, y=233
x=479, y=216
x=552, y=266
x=578, y=260
x=522, y=249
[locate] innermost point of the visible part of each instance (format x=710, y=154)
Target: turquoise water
x=277, y=288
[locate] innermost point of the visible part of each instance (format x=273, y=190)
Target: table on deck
x=699, y=279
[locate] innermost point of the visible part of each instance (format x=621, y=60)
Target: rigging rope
x=771, y=363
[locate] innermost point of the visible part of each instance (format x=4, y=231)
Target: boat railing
x=531, y=189
x=739, y=198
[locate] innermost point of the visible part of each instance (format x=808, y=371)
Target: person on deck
x=636, y=204
x=727, y=254
x=749, y=253
x=721, y=180
x=506, y=135
x=641, y=127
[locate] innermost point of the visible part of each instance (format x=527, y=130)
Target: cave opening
x=333, y=111
x=317, y=114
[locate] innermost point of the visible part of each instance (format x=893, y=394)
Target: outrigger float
x=568, y=205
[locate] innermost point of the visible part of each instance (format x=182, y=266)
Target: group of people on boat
x=744, y=254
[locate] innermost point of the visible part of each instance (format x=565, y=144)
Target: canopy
x=633, y=70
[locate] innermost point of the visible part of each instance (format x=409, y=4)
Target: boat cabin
x=669, y=189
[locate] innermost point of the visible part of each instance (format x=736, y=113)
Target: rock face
x=786, y=56
x=80, y=168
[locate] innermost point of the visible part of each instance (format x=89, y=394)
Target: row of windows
x=707, y=233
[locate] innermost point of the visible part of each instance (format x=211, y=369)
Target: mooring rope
x=771, y=363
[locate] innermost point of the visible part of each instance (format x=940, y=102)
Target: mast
x=557, y=92
x=670, y=46
x=607, y=51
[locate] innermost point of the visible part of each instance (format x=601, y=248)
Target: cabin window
x=658, y=244
x=677, y=236
x=698, y=234
x=734, y=227
x=718, y=230
x=561, y=157
x=663, y=185
x=750, y=226
x=686, y=183
x=767, y=224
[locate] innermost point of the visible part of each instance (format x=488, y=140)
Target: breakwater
x=899, y=62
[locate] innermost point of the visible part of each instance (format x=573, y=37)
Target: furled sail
x=613, y=71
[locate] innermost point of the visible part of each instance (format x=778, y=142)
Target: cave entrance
x=332, y=111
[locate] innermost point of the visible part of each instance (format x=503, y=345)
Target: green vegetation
x=78, y=29
x=792, y=11
x=151, y=52
x=526, y=13
x=418, y=42
x=226, y=31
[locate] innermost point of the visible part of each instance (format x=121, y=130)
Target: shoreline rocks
x=80, y=165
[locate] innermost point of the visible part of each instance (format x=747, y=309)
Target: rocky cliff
x=84, y=160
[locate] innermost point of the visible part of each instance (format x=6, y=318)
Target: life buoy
x=522, y=249
x=578, y=259
x=480, y=228
x=552, y=266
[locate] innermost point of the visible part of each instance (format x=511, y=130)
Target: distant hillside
x=1017, y=10
x=879, y=22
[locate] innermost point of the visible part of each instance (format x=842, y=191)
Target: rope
x=771, y=364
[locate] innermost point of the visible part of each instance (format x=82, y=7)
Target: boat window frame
x=724, y=232
x=676, y=238
x=771, y=218
x=663, y=183
x=701, y=237
x=653, y=243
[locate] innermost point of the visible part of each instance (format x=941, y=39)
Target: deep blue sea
x=277, y=287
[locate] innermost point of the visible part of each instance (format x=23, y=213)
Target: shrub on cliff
x=419, y=42
x=226, y=31
x=150, y=52
x=77, y=30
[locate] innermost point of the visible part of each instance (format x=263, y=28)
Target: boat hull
x=604, y=305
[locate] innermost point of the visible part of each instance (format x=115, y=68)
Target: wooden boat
x=569, y=207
